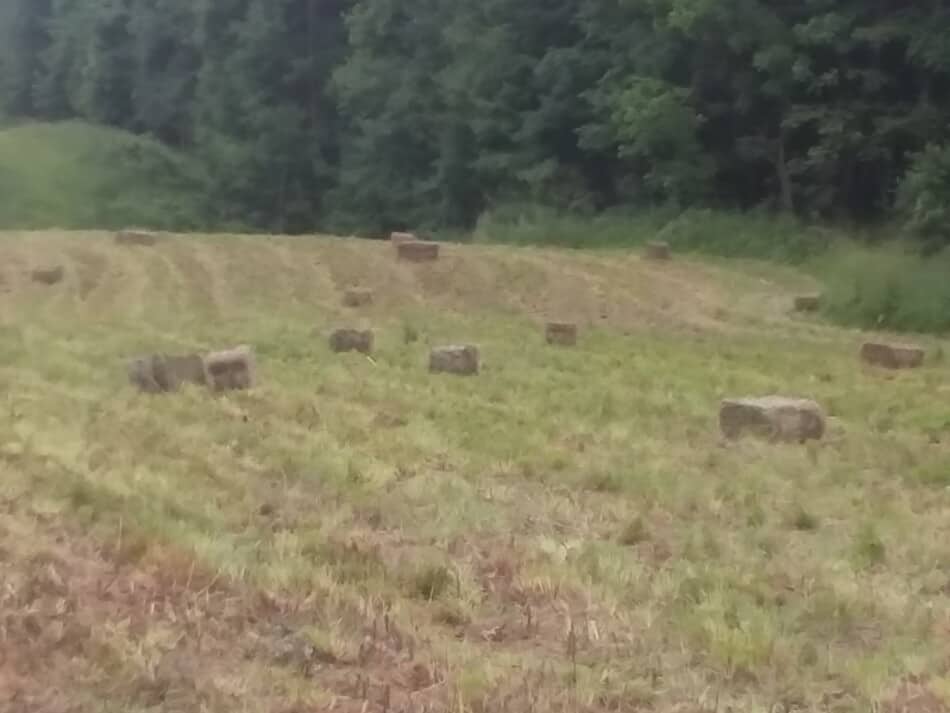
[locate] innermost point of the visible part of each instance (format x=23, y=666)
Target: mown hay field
x=565, y=531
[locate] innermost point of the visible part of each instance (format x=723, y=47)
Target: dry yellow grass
x=566, y=531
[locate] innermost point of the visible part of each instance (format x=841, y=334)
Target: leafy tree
x=377, y=114
x=23, y=38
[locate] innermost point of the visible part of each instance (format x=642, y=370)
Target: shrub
x=924, y=198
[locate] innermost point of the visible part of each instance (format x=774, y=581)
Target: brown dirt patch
x=913, y=696
x=81, y=624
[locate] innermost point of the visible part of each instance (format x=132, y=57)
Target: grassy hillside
x=564, y=532
x=76, y=175
x=870, y=280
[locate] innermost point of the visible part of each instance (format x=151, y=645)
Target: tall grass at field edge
x=885, y=287
x=868, y=283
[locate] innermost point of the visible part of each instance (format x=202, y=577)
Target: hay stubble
x=566, y=531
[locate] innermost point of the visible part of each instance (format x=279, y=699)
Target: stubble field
x=564, y=532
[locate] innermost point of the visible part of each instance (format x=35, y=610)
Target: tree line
x=378, y=114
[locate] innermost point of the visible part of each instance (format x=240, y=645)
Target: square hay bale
x=49, y=275
x=187, y=369
x=136, y=237
x=459, y=359
x=892, y=356
x=161, y=373
x=776, y=418
x=352, y=340
x=807, y=303
x=357, y=297
x=418, y=251
x=399, y=238
x=562, y=334
x=657, y=251
x=231, y=370
x=142, y=375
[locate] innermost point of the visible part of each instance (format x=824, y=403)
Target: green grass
x=564, y=532
x=886, y=287
x=706, y=232
x=75, y=175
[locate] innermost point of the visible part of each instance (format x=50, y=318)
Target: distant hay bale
x=398, y=238
x=562, y=334
x=357, y=297
x=776, y=418
x=231, y=370
x=418, y=251
x=657, y=251
x=352, y=340
x=807, y=303
x=136, y=237
x=459, y=359
x=161, y=373
x=49, y=275
x=892, y=356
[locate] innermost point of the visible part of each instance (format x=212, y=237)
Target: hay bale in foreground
x=357, y=297
x=161, y=373
x=399, y=238
x=657, y=251
x=892, y=356
x=418, y=251
x=49, y=276
x=352, y=340
x=776, y=418
x=459, y=359
x=231, y=370
x=807, y=303
x=136, y=237
x=562, y=334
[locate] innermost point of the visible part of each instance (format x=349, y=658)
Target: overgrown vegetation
x=886, y=288
x=701, y=231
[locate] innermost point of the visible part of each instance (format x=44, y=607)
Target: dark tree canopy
x=379, y=114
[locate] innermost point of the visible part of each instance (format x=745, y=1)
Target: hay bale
x=418, y=251
x=892, y=356
x=357, y=297
x=142, y=375
x=352, y=340
x=657, y=251
x=462, y=360
x=187, y=369
x=136, y=237
x=807, y=303
x=398, y=238
x=562, y=334
x=231, y=370
x=160, y=373
x=49, y=275
x=776, y=418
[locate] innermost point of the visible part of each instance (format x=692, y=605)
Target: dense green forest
x=368, y=115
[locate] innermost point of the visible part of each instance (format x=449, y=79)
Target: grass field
x=564, y=532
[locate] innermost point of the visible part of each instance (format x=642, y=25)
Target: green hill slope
x=75, y=175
